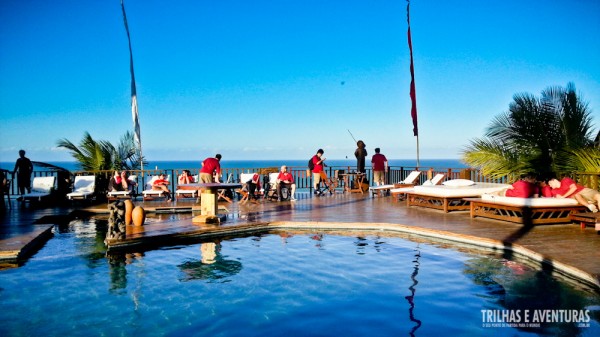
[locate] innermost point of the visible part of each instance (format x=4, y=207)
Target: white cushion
x=457, y=191
x=532, y=202
x=382, y=187
x=186, y=192
x=411, y=178
x=43, y=184
x=458, y=182
x=119, y=193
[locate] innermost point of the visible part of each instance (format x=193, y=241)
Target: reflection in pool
x=313, y=284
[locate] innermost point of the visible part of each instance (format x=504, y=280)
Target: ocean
x=292, y=163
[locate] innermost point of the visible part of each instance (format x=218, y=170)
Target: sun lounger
x=149, y=193
x=83, y=187
x=112, y=195
x=244, y=192
x=187, y=193
x=400, y=193
x=533, y=211
x=41, y=187
x=409, y=181
x=450, y=197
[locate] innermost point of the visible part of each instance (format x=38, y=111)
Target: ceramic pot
x=128, y=211
x=138, y=216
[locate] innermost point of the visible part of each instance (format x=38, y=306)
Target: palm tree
x=127, y=154
x=95, y=155
x=92, y=155
x=539, y=135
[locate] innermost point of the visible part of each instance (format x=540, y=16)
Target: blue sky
x=280, y=79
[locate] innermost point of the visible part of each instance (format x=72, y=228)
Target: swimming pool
x=278, y=284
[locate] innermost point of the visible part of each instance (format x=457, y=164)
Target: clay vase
x=128, y=211
x=138, y=216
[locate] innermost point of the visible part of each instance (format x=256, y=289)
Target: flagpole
x=413, y=91
x=134, y=106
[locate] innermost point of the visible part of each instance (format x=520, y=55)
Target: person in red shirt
x=162, y=184
x=251, y=186
x=318, y=171
x=567, y=188
x=186, y=177
x=121, y=182
x=380, y=167
x=523, y=188
x=211, y=170
x=545, y=190
x=285, y=179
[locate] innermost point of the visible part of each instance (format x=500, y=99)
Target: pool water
x=276, y=284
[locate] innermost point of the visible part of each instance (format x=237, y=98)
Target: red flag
x=413, y=93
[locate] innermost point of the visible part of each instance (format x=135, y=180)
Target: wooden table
x=587, y=218
x=208, y=204
x=212, y=187
x=358, y=178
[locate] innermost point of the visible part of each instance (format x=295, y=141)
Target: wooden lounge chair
x=409, y=181
x=41, y=188
x=83, y=187
x=150, y=194
x=400, y=193
x=530, y=211
x=113, y=195
x=437, y=180
x=449, y=196
x=187, y=193
x=222, y=194
x=244, y=191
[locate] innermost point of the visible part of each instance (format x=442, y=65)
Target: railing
x=303, y=178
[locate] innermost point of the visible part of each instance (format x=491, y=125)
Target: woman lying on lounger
x=162, y=184
x=525, y=187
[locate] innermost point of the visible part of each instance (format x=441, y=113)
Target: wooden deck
x=567, y=248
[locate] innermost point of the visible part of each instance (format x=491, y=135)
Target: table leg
x=360, y=179
x=208, y=203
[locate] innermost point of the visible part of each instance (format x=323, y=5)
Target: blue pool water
x=277, y=285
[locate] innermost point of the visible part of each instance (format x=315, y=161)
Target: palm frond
x=50, y=166
x=492, y=159
x=583, y=160
x=542, y=135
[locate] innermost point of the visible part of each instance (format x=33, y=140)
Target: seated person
x=251, y=186
x=523, y=188
x=162, y=184
x=285, y=179
x=186, y=177
x=545, y=189
x=120, y=182
x=567, y=188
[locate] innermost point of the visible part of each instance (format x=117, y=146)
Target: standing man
x=380, y=167
x=211, y=170
x=318, y=171
x=285, y=179
x=360, y=154
x=24, y=168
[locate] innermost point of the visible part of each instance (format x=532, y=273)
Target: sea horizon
x=249, y=163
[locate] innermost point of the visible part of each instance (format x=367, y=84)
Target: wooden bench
x=535, y=215
x=444, y=203
x=592, y=219
x=449, y=197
